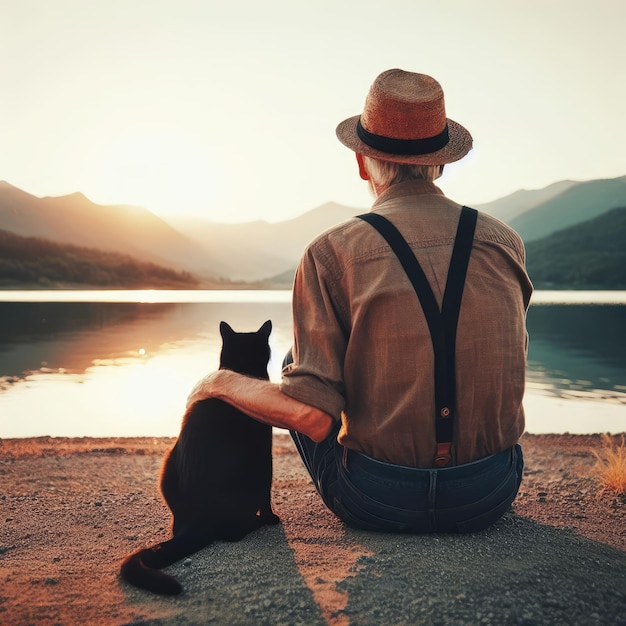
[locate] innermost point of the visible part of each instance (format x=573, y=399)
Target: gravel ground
x=70, y=509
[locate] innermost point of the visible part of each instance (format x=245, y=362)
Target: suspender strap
x=441, y=324
x=452, y=297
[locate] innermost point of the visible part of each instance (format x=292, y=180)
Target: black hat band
x=403, y=146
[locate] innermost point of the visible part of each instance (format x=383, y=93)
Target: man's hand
x=206, y=387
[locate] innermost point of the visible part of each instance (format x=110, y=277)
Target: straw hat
x=404, y=120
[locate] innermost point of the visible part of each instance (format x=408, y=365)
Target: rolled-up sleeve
x=320, y=338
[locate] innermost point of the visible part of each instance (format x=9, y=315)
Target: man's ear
x=362, y=170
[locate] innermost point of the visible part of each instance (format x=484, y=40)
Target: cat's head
x=246, y=353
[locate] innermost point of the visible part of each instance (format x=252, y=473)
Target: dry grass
x=611, y=465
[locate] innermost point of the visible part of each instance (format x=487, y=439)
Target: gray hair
x=383, y=174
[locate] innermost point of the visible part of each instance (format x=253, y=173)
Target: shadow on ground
x=518, y=572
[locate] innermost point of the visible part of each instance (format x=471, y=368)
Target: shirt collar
x=407, y=188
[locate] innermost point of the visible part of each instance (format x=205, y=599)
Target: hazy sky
x=229, y=109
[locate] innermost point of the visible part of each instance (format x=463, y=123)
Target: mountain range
x=131, y=230
x=260, y=250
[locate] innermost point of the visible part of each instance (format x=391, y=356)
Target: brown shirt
x=363, y=352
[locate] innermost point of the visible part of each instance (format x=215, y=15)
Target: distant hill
x=590, y=255
x=131, y=230
x=577, y=204
x=518, y=203
x=39, y=262
x=257, y=250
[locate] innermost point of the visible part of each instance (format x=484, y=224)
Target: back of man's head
x=383, y=174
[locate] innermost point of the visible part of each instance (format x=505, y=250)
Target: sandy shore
x=70, y=509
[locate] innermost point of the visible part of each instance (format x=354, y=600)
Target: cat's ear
x=226, y=330
x=266, y=329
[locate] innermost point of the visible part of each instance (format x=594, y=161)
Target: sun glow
x=165, y=172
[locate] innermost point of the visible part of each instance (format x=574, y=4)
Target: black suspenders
x=441, y=324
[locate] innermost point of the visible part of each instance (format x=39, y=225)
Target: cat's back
x=215, y=420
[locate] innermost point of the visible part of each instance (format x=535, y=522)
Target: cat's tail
x=143, y=568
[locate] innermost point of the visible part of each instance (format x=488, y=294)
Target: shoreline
x=72, y=508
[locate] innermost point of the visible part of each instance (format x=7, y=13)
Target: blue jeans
x=372, y=495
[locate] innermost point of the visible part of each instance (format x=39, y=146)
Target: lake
x=121, y=363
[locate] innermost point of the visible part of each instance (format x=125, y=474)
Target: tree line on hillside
x=36, y=261
x=590, y=255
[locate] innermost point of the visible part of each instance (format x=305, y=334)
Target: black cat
x=217, y=478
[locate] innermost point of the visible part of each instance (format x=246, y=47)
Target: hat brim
x=459, y=145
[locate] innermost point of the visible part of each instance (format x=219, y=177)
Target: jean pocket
x=354, y=520
x=492, y=513
x=362, y=511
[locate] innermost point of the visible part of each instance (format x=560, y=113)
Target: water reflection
x=107, y=368
x=70, y=337
x=578, y=350
x=104, y=369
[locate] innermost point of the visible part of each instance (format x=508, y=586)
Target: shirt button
x=445, y=412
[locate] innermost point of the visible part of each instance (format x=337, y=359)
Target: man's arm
x=264, y=401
